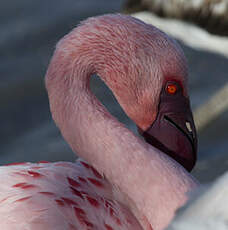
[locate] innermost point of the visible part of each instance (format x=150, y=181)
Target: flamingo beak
x=173, y=131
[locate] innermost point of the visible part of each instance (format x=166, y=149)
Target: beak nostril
x=188, y=125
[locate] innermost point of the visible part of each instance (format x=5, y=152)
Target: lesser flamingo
x=122, y=182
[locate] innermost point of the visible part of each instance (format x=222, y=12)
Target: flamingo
x=119, y=181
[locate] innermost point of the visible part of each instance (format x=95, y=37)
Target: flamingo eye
x=171, y=89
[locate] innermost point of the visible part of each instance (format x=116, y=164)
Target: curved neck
x=151, y=183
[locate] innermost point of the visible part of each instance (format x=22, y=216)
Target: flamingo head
x=162, y=111
x=152, y=87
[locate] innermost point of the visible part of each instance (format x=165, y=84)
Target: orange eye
x=171, y=89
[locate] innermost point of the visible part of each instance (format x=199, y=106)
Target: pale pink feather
x=60, y=195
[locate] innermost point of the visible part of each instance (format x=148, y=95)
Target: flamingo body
x=60, y=195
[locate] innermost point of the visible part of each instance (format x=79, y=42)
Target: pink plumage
x=60, y=195
x=127, y=183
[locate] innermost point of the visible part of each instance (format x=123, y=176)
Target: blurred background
x=29, y=32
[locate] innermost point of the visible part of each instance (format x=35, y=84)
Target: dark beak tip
x=174, y=140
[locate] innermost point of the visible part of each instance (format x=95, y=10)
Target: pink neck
x=147, y=181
